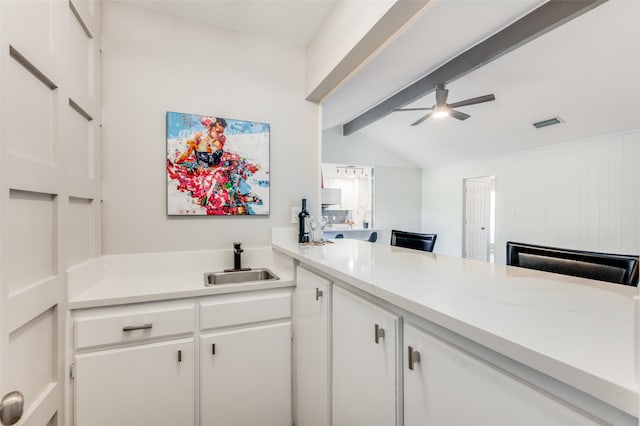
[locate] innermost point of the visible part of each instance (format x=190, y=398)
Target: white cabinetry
x=444, y=385
x=364, y=362
x=311, y=347
x=143, y=385
x=245, y=360
x=125, y=376
x=149, y=364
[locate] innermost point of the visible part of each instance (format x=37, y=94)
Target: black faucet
x=237, y=260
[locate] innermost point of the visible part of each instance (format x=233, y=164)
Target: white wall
x=397, y=180
x=581, y=195
x=153, y=64
x=359, y=149
x=398, y=199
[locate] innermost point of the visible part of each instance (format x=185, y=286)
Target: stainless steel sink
x=237, y=277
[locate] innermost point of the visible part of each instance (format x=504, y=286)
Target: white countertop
x=347, y=228
x=123, y=290
x=136, y=278
x=578, y=331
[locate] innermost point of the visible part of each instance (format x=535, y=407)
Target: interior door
x=476, y=219
x=49, y=190
x=31, y=284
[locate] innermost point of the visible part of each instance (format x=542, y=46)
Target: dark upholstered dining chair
x=413, y=240
x=614, y=268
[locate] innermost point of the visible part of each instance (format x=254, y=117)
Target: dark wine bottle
x=303, y=234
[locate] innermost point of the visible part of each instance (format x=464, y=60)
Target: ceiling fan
x=442, y=108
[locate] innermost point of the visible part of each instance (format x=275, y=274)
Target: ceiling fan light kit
x=443, y=109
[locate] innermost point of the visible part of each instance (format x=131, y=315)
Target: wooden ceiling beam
x=531, y=26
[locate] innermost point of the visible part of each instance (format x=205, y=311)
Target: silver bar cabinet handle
x=137, y=327
x=414, y=357
x=318, y=293
x=379, y=333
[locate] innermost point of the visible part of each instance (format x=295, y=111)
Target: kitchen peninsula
x=547, y=338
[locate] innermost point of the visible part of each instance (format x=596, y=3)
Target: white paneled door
x=476, y=218
x=49, y=191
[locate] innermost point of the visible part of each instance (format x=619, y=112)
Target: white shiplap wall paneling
x=581, y=194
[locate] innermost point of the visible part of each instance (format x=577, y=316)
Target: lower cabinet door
x=150, y=384
x=364, y=389
x=444, y=385
x=245, y=376
x=311, y=349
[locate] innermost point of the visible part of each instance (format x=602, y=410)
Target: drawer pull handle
x=379, y=333
x=137, y=327
x=414, y=357
x=213, y=349
x=318, y=293
x=179, y=356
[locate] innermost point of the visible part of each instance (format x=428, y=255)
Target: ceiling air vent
x=549, y=122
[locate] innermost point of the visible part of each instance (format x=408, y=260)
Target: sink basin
x=237, y=277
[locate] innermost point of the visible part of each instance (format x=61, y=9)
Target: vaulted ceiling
x=584, y=72
x=287, y=21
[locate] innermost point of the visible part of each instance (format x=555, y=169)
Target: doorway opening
x=478, y=241
x=352, y=205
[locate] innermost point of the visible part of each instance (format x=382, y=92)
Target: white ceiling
x=587, y=72
x=292, y=22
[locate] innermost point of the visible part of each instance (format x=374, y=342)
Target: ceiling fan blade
x=413, y=109
x=441, y=96
x=472, y=101
x=459, y=115
x=421, y=120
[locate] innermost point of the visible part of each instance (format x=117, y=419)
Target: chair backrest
x=373, y=237
x=413, y=240
x=339, y=236
x=614, y=268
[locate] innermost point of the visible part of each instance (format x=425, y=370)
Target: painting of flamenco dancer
x=216, y=166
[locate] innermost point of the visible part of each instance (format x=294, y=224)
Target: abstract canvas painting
x=216, y=166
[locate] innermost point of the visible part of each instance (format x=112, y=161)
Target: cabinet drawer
x=133, y=323
x=227, y=310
